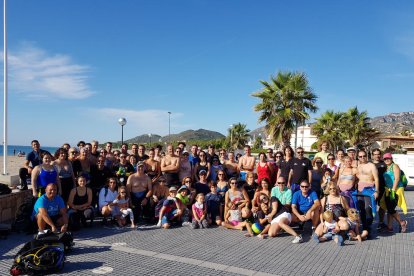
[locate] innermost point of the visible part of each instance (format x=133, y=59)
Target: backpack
x=23, y=218
x=403, y=179
x=5, y=189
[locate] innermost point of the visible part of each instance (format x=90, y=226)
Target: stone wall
x=10, y=202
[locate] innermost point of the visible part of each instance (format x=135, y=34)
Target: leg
x=274, y=229
x=23, y=174
x=194, y=224
x=284, y=224
x=249, y=229
x=205, y=224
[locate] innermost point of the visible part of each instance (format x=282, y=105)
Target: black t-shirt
x=202, y=188
x=210, y=158
x=99, y=177
x=284, y=167
x=250, y=189
x=280, y=207
x=141, y=158
x=122, y=172
x=300, y=169
x=382, y=168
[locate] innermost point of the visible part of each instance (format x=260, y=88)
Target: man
x=123, y=169
x=305, y=205
x=223, y=156
x=134, y=150
x=99, y=176
x=158, y=151
x=181, y=145
x=94, y=152
x=124, y=148
x=139, y=187
x=246, y=162
x=170, y=166
x=50, y=210
x=231, y=167
x=368, y=184
x=141, y=153
x=202, y=185
x=351, y=152
x=80, y=144
x=300, y=170
x=382, y=168
x=33, y=159
x=193, y=158
x=323, y=152
x=283, y=193
x=211, y=153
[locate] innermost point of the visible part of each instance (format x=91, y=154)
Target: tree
x=284, y=102
x=357, y=127
x=239, y=135
x=329, y=127
x=258, y=142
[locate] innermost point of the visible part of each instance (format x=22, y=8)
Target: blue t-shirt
x=304, y=203
x=52, y=206
x=213, y=203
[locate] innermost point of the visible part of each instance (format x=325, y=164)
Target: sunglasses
x=331, y=158
x=332, y=189
x=187, y=181
x=306, y=187
x=299, y=152
x=281, y=183
x=162, y=181
x=278, y=156
x=362, y=156
x=233, y=183
x=319, y=162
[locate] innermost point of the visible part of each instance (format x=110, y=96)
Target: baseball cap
x=183, y=188
x=173, y=188
x=202, y=172
x=387, y=155
x=350, y=149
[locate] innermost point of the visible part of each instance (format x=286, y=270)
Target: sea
x=15, y=149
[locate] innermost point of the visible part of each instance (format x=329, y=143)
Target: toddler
x=121, y=208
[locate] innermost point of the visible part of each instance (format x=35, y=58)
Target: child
x=352, y=224
x=170, y=211
x=121, y=208
x=184, y=201
x=214, y=207
x=233, y=219
x=199, y=213
x=327, y=176
x=330, y=228
x=263, y=220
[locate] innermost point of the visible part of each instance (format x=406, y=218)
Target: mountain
x=188, y=135
x=394, y=123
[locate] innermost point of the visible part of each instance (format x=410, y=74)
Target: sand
x=14, y=163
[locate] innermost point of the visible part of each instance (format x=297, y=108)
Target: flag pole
x=5, y=90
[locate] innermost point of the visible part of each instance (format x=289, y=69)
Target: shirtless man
x=139, y=188
x=231, y=166
x=367, y=174
x=170, y=165
x=351, y=153
x=246, y=162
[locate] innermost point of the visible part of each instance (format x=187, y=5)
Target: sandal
x=390, y=230
x=404, y=227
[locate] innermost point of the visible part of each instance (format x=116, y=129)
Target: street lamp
x=231, y=136
x=169, y=127
x=149, y=135
x=122, y=122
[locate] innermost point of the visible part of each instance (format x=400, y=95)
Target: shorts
x=167, y=218
x=234, y=222
x=55, y=218
x=282, y=215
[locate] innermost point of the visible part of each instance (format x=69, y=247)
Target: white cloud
x=144, y=121
x=38, y=74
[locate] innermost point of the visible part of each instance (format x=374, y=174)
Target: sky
x=76, y=67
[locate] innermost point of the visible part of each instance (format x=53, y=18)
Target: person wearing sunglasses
x=306, y=205
x=332, y=167
x=283, y=193
x=317, y=175
x=300, y=170
x=394, y=194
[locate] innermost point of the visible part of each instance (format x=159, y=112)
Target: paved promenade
x=182, y=251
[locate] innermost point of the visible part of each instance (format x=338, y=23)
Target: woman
x=235, y=197
x=250, y=185
x=346, y=180
x=187, y=181
x=222, y=186
x=332, y=167
x=152, y=166
x=106, y=197
x=82, y=165
x=262, y=193
x=203, y=165
x=185, y=166
x=339, y=158
x=80, y=204
x=394, y=193
x=333, y=202
x=317, y=174
x=133, y=161
x=65, y=173
x=284, y=164
x=264, y=169
x=44, y=174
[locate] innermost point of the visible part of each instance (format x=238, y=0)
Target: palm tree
x=357, y=127
x=329, y=127
x=285, y=102
x=239, y=136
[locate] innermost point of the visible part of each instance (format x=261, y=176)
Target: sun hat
x=387, y=155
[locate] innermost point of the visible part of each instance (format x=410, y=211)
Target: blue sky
x=76, y=66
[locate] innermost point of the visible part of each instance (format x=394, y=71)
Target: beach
x=14, y=163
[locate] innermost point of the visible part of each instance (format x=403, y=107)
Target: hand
x=54, y=228
x=34, y=194
x=144, y=201
x=155, y=198
x=375, y=195
x=302, y=218
x=64, y=228
x=392, y=195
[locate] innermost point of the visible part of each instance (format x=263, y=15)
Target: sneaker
x=315, y=238
x=297, y=239
x=186, y=223
x=159, y=224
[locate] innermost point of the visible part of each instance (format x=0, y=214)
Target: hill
x=394, y=123
x=188, y=135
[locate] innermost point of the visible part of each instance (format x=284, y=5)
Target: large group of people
x=280, y=191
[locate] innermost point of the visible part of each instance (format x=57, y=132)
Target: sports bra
x=347, y=177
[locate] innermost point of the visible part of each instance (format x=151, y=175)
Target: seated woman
x=262, y=191
x=333, y=202
x=235, y=196
x=80, y=204
x=107, y=195
x=44, y=174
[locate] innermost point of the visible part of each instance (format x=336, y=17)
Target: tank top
x=79, y=200
x=263, y=172
x=202, y=167
x=389, y=178
x=337, y=209
x=46, y=177
x=237, y=196
x=346, y=187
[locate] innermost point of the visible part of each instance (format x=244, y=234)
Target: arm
x=246, y=198
x=310, y=176
x=35, y=174
x=397, y=176
x=376, y=180
x=89, y=203
x=323, y=200
x=195, y=214
x=70, y=199
x=289, y=178
x=296, y=213
x=208, y=170
x=64, y=215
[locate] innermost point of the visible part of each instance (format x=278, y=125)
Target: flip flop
x=404, y=227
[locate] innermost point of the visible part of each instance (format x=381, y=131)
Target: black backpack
x=23, y=218
x=5, y=189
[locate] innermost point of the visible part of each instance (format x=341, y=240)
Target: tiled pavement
x=182, y=251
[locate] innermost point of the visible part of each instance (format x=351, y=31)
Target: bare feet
x=248, y=235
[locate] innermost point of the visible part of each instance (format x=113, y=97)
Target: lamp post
x=122, y=122
x=169, y=127
x=149, y=135
x=231, y=136
x=5, y=90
